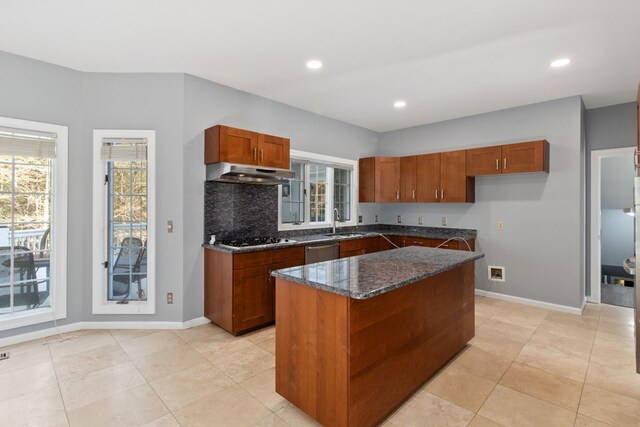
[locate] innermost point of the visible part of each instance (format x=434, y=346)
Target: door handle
x=629, y=265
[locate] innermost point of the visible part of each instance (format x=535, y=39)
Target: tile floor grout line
x=55, y=371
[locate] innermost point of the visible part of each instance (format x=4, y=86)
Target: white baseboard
x=78, y=326
x=532, y=302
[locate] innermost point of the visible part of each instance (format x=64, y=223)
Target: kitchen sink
x=346, y=234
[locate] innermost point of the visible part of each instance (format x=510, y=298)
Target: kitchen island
x=355, y=337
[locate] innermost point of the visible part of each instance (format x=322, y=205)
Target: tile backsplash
x=240, y=210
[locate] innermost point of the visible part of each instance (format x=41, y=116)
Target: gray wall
x=541, y=243
x=606, y=127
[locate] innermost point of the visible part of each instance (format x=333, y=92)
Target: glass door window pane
x=25, y=221
x=293, y=196
x=127, y=222
x=342, y=193
x=317, y=193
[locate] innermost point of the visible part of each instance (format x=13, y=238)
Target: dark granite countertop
x=319, y=236
x=366, y=276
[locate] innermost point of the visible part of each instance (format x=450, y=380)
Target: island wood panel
x=349, y=362
x=218, y=297
x=400, y=339
x=311, y=351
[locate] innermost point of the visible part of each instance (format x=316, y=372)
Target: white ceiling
x=447, y=59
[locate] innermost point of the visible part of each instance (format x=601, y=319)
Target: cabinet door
x=251, y=306
x=408, y=179
x=387, y=180
x=454, y=184
x=234, y=146
x=366, y=180
x=428, y=177
x=525, y=157
x=484, y=161
x=273, y=151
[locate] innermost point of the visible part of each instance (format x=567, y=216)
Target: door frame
x=596, y=220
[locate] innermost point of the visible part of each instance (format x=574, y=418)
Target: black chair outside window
x=126, y=268
x=26, y=288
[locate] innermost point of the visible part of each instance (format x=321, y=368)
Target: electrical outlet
x=169, y=297
x=420, y=222
x=375, y=218
x=170, y=226
x=359, y=218
x=500, y=225
x=399, y=219
x=4, y=355
x=444, y=221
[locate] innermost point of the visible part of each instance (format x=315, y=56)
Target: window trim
x=100, y=305
x=330, y=161
x=58, y=276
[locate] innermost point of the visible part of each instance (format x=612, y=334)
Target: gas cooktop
x=254, y=241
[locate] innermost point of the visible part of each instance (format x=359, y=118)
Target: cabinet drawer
x=287, y=254
x=251, y=259
x=370, y=244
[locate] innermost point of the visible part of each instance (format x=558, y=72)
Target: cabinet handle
x=436, y=194
x=497, y=164
x=261, y=155
x=442, y=194
x=414, y=194
x=255, y=154
x=504, y=164
x=397, y=194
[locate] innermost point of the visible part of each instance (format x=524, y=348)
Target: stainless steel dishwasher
x=319, y=253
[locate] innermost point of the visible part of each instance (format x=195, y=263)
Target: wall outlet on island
x=359, y=218
x=399, y=219
x=420, y=221
x=444, y=221
x=375, y=218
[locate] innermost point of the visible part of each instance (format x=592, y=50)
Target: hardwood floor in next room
x=525, y=367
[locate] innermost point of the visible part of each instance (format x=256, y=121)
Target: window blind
x=28, y=143
x=124, y=150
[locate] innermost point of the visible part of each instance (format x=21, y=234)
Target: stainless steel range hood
x=247, y=174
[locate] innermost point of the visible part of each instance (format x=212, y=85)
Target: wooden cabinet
x=441, y=178
x=379, y=179
x=523, y=157
x=227, y=144
x=239, y=291
x=357, y=247
x=408, y=190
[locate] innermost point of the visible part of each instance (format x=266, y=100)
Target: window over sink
x=321, y=184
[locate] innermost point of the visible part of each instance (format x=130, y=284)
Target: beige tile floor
x=525, y=367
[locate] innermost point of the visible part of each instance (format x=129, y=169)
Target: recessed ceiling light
x=314, y=64
x=560, y=62
x=400, y=104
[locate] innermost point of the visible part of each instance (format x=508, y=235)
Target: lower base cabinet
x=239, y=292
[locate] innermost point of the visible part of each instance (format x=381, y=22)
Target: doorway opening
x=612, y=228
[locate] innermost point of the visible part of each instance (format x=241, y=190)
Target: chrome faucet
x=336, y=215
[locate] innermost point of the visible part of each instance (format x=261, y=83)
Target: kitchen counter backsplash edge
x=317, y=235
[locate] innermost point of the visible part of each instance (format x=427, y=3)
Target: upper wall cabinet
x=227, y=144
x=379, y=179
x=408, y=183
x=441, y=178
x=523, y=157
